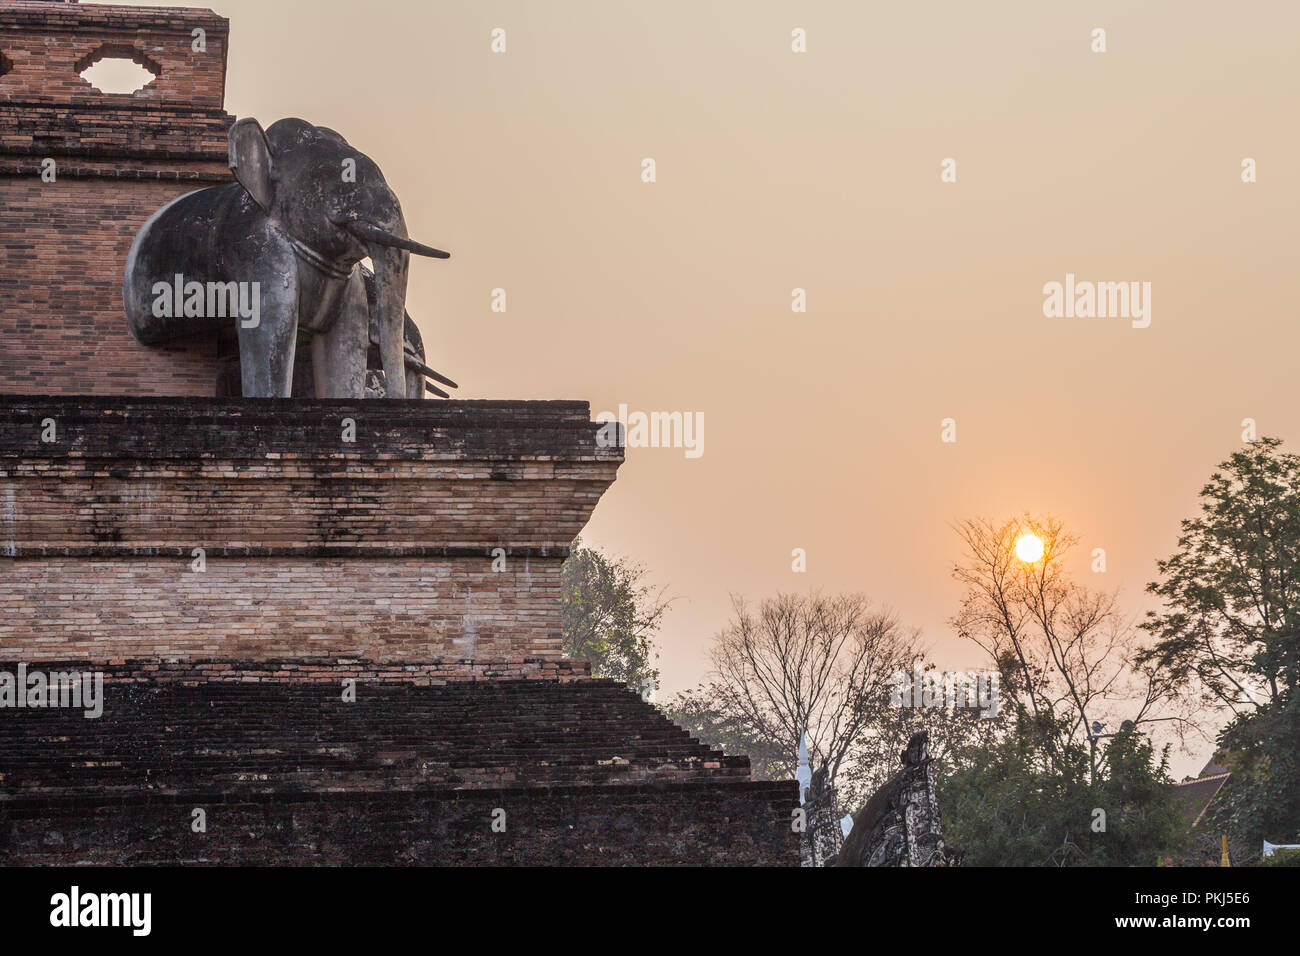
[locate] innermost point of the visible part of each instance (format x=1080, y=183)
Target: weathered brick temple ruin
x=331, y=625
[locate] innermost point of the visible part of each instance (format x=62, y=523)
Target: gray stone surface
x=286, y=241
x=900, y=825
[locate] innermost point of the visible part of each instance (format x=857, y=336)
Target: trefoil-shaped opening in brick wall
x=117, y=69
x=6, y=64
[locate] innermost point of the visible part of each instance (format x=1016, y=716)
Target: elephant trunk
x=391, y=268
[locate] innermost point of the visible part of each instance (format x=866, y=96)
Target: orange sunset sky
x=821, y=171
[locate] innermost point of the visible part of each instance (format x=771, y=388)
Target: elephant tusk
x=436, y=390
x=368, y=232
x=423, y=369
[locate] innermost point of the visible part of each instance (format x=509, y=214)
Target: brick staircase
x=586, y=770
x=277, y=736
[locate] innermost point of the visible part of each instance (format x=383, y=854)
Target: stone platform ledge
x=148, y=429
x=105, y=477
x=252, y=528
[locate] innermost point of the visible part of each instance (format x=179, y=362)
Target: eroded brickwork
x=117, y=159
x=250, y=528
x=703, y=824
x=387, y=609
x=287, y=771
x=48, y=45
x=315, y=670
x=63, y=245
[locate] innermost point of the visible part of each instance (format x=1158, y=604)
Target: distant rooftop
x=1194, y=796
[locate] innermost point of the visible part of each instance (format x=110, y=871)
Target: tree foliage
x=700, y=711
x=1261, y=800
x=1228, y=629
x=610, y=616
x=1228, y=632
x=1065, y=654
x=1073, y=779
x=874, y=756
x=1006, y=806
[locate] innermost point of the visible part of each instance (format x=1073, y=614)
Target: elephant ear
x=250, y=160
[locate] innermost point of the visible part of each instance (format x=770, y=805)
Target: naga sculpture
x=900, y=824
x=277, y=255
x=822, y=836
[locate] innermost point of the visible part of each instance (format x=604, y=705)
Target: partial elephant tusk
x=423, y=369
x=436, y=390
x=369, y=232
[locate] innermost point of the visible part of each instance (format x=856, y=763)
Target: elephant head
x=333, y=204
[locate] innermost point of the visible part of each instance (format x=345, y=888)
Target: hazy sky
x=821, y=170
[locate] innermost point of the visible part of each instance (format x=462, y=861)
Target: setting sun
x=1029, y=548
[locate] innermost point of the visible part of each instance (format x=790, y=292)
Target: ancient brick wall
x=387, y=609
x=286, y=771
x=47, y=45
x=117, y=159
x=701, y=824
x=437, y=532
x=314, y=670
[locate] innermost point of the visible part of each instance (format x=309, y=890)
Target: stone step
x=194, y=734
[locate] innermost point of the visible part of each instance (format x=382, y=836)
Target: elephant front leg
x=266, y=347
x=338, y=356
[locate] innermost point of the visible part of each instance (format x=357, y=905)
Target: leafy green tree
x=1231, y=591
x=1075, y=709
x=610, y=616
x=1261, y=800
x=701, y=711
x=1017, y=804
x=1229, y=632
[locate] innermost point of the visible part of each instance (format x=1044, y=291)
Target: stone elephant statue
x=277, y=254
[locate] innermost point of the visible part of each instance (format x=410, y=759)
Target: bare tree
x=807, y=662
x=954, y=733
x=1064, y=653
